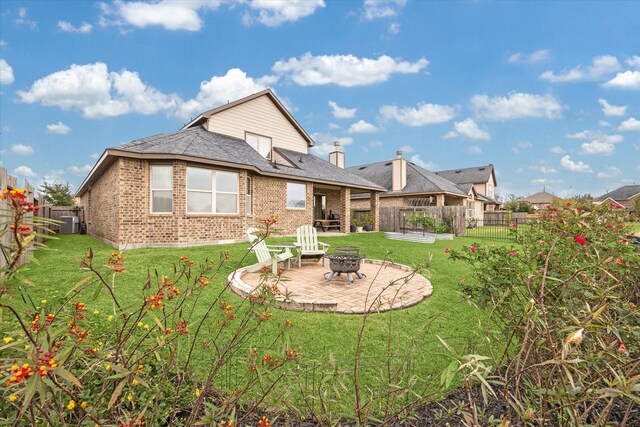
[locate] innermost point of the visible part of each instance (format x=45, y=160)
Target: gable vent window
x=161, y=189
x=212, y=192
x=262, y=144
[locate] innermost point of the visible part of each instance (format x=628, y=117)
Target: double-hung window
x=249, y=201
x=296, y=195
x=212, y=192
x=262, y=144
x=161, y=188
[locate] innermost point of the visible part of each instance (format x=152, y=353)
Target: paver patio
x=309, y=291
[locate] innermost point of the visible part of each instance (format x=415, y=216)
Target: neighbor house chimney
x=398, y=172
x=336, y=157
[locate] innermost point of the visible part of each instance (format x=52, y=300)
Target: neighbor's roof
x=202, y=118
x=419, y=180
x=199, y=145
x=623, y=193
x=469, y=175
x=540, y=197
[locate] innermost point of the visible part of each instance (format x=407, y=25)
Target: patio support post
x=440, y=200
x=375, y=209
x=345, y=209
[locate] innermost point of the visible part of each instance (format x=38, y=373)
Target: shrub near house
x=567, y=296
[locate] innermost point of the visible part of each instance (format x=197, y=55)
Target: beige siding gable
x=258, y=116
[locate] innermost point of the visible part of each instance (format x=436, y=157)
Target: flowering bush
x=566, y=297
x=65, y=365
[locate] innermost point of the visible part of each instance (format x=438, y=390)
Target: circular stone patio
x=311, y=292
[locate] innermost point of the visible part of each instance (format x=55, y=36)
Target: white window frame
x=249, y=199
x=260, y=138
x=214, y=192
x=305, y=195
x=152, y=189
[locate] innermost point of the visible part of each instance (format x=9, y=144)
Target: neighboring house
x=483, y=180
x=223, y=172
x=626, y=196
x=408, y=184
x=540, y=200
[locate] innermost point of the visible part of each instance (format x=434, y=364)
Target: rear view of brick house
x=221, y=173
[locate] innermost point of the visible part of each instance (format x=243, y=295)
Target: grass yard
x=319, y=337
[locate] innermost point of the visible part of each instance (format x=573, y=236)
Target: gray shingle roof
x=419, y=180
x=623, y=193
x=468, y=175
x=202, y=144
x=540, y=197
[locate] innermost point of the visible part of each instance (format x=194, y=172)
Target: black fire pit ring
x=344, y=263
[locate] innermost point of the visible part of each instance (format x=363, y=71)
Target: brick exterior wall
x=118, y=209
x=101, y=205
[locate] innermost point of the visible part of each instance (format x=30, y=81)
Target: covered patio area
x=385, y=286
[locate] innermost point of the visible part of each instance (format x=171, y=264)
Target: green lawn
x=318, y=336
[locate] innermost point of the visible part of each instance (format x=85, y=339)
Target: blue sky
x=549, y=92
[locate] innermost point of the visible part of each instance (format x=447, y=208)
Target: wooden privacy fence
x=502, y=217
x=8, y=181
x=56, y=212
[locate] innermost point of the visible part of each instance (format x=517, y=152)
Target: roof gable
x=623, y=193
x=472, y=175
x=204, y=118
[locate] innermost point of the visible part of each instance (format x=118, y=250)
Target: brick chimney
x=336, y=157
x=399, y=172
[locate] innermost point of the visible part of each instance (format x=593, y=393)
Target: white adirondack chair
x=267, y=255
x=307, y=244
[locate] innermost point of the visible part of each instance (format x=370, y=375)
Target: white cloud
x=600, y=143
x=334, y=126
x=94, y=156
x=219, y=90
x=474, y=149
x=362, y=127
x=79, y=170
x=273, y=13
x=97, y=93
x=537, y=56
x=610, y=172
x=6, y=73
x=469, y=129
x=21, y=149
x=341, y=112
x=634, y=61
x=67, y=27
x=394, y=28
x=59, y=128
x=604, y=123
x=600, y=67
x=516, y=105
x=372, y=145
x=630, y=125
x=3, y=43
x=545, y=182
x=557, y=150
x=421, y=115
x=426, y=165
x=572, y=166
x=407, y=149
x=524, y=145
x=542, y=168
x=344, y=70
x=612, y=110
x=626, y=80
x=24, y=171
x=22, y=20
x=324, y=143
x=171, y=15
x=376, y=9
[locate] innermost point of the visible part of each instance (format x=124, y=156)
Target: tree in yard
x=56, y=194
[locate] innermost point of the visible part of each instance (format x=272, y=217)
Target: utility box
x=69, y=225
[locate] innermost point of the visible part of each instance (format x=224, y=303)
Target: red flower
x=512, y=252
x=581, y=240
x=618, y=206
x=621, y=347
x=619, y=261
x=447, y=250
